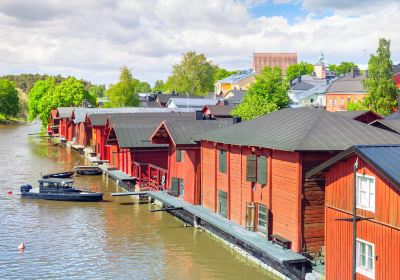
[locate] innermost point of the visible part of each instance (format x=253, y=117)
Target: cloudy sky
x=92, y=39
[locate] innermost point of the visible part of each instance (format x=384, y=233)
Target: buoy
x=21, y=246
x=9, y=192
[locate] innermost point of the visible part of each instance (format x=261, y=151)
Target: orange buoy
x=21, y=246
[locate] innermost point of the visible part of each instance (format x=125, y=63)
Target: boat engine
x=26, y=188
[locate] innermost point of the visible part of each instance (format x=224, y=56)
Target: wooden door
x=222, y=203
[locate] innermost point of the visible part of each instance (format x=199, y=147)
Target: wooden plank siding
x=208, y=175
x=383, y=230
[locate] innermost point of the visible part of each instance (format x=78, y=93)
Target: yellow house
x=239, y=81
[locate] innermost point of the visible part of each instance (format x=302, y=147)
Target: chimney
x=236, y=120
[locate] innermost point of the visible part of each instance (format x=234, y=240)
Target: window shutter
x=222, y=161
x=251, y=171
x=181, y=187
x=178, y=154
x=262, y=170
x=175, y=186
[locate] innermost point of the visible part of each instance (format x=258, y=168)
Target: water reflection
x=119, y=239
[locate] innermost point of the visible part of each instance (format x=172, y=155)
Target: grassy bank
x=4, y=119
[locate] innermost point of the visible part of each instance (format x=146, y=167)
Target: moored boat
x=59, y=189
x=88, y=170
x=67, y=174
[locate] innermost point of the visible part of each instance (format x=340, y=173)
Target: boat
x=59, y=189
x=67, y=174
x=88, y=170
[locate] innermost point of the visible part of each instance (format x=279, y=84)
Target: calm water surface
x=116, y=239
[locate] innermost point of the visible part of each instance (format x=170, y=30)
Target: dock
x=287, y=262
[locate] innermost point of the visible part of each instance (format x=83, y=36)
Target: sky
x=92, y=39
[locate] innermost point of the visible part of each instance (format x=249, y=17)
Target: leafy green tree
x=356, y=106
x=382, y=92
x=37, y=94
x=194, y=74
x=267, y=94
x=222, y=74
x=9, y=99
x=72, y=92
x=97, y=90
x=297, y=70
x=343, y=68
x=158, y=86
x=144, y=87
x=124, y=93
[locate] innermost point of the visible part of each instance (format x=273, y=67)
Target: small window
x=365, y=192
x=222, y=161
x=262, y=170
x=181, y=187
x=365, y=258
x=342, y=102
x=179, y=155
x=262, y=218
x=334, y=102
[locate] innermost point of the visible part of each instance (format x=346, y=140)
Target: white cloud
x=93, y=39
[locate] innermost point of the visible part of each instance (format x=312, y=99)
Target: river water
x=114, y=239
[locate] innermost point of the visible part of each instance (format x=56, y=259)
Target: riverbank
x=7, y=120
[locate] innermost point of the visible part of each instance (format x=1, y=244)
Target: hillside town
x=260, y=145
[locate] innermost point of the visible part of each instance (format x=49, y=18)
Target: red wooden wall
x=383, y=230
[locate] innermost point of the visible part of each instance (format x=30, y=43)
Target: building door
x=250, y=215
x=262, y=219
x=222, y=203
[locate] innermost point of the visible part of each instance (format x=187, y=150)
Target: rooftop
x=234, y=78
x=348, y=84
x=219, y=110
x=302, y=129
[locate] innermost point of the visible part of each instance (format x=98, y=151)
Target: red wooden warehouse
x=184, y=177
x=254, y=172
x=65, y=114
x=377, y=210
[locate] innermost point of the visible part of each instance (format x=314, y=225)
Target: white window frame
x=370, y=207
x=359, y=268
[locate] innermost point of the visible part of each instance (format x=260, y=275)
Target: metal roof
x=219, y=110
x=302, y=86
x=302, y=129
x=182, y=102
x=393, y=125
x=356, y=114
x=347, y=85
x=384, y=158
x=237, y=98
x=393, y=116
x=136, y=136
x=65, y=112
x=156, y=118
x=234, y=78
x=187, y=132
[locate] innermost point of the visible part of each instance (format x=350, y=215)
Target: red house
x=253, y=173
x=377, y=209
x=184, y=176
x=65, y=114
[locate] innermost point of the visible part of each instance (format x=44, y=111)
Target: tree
x=158, y=86
x=356, y=106
x=144, y=87
x=343, y=68
x=382, y=92
x=37, y=94
x=267, y=94
x=9, y=99
x=124, y=93
x=194, y=74
x=97, y=90
x=221, y=73
x=297, y=70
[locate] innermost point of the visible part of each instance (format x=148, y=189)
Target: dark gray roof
x=355, y=114
x=136, y=136
x=393, y=116
x=237, y=98
x=396, y=68
x=220, y=110
x=302, y=86
x=392, y=125
x=65, y=112
x=302, y=129
x=187, y=132
x=347, y=84
x=156, y=118
x=384, y=158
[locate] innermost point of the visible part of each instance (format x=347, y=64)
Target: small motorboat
x=67, y=174
x=88, y=170
x=60, y=189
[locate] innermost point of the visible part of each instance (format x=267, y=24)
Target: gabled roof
x=135, y=136
x=356, y=114
x=65, y=112
x=184, y=102
x=347, y=84
x=237, y=98
x=234, y=78
x=302, y=129
x=391, y=125
x=187, y=132
x=384, y=158
x=302, y=86
x=156, y=118
x=219, y=110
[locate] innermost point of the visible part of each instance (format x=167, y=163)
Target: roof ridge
x=310, y=128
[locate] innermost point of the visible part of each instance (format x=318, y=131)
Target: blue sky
x=92, y=39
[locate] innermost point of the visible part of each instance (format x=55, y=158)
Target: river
x=114, y=239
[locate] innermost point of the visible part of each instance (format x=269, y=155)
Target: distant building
x=234, y=96
x=239, y=81
x=308, y=91
x=198, y=103
x=282, y=60
x=346, y=89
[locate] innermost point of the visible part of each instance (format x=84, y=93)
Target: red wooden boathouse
x=254, y=172
x=184, y=176
x=378, y=206
x=65, y=114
